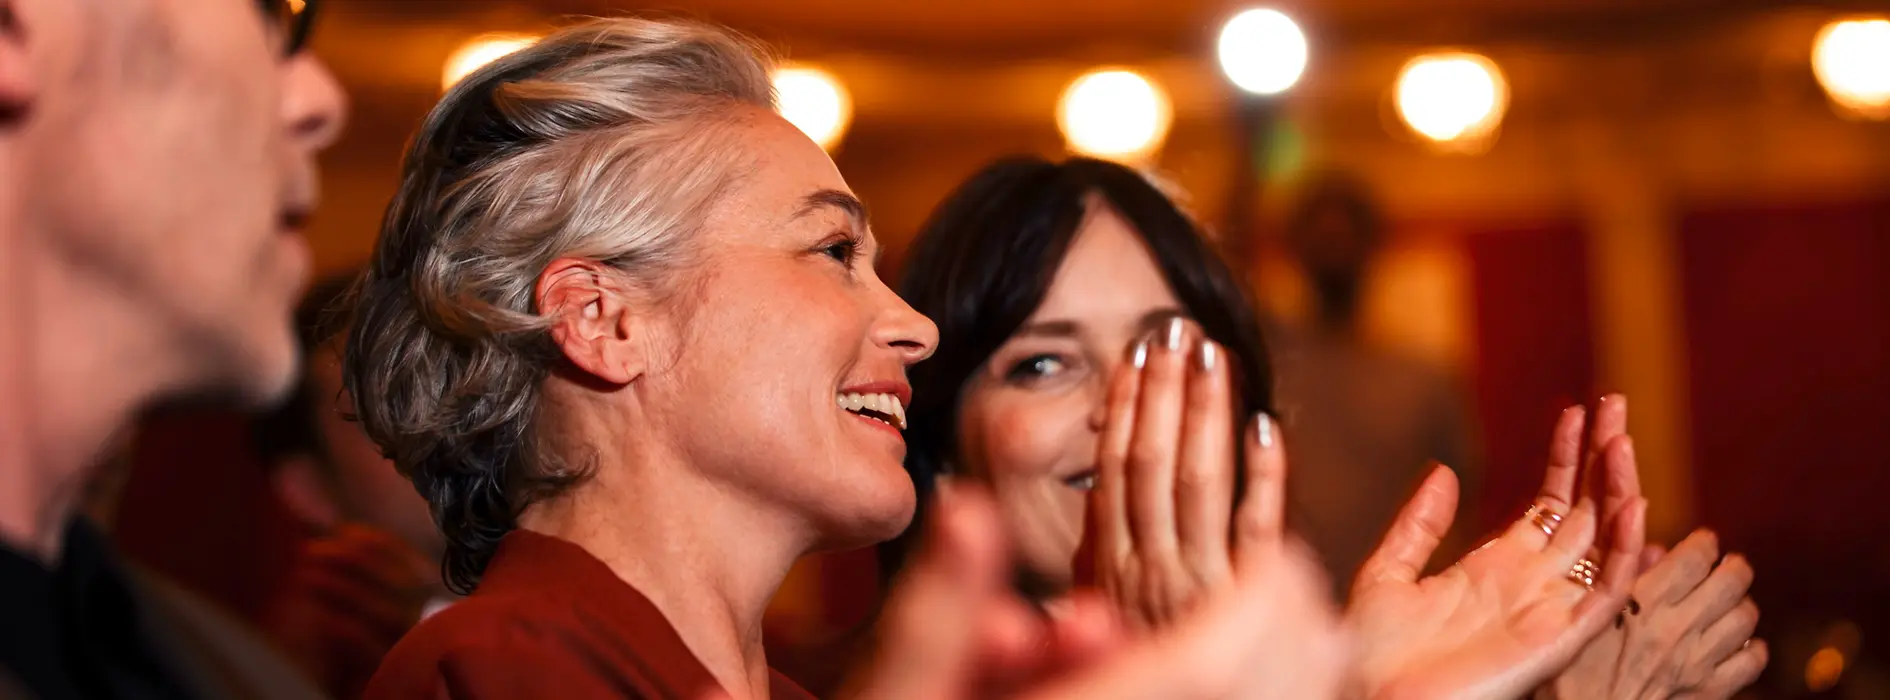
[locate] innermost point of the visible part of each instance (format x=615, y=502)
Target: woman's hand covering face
x=1164, y=526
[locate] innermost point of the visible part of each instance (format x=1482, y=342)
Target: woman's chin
x=870, y=516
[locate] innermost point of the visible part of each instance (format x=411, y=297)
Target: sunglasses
x=290, y=22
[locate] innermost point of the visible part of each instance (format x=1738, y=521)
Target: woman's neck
x=708, y=559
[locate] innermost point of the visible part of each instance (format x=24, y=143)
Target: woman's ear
x=592, y=320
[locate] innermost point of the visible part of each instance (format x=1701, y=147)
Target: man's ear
x=591, y=319
x=18, y=88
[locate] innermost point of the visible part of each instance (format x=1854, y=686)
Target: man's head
x=321, y=463
x=1334, y=230
x=168, y=165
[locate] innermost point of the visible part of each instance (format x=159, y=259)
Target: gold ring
x=1584, y=572
x=1544, y=519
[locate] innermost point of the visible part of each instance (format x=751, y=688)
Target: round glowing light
x=1114, y=114
x=1824, y=669
x=1262, y=51
x=1452, y=99
x=814, y=101
x=1852, y=61
x=479, y=51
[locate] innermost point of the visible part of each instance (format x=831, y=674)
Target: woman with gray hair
x=623, y=333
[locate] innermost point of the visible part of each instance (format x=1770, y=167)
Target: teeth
x=886, y=404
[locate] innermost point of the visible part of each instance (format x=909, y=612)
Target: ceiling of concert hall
x=1015, y=30
x=1035, y=27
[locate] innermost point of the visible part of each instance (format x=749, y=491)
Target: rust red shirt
x=548, y=621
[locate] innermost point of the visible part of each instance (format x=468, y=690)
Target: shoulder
x=511, y=646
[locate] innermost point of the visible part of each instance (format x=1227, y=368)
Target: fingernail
x=1209, y=356
x=1263, y=428
x=1058, y=608
x=1175, y=328
x=1141, y=353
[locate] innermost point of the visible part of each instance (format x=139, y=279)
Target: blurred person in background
x=622, y=330
x=369, y=567
x=1101, y=371
x=164, y=173
x=16, y=94
x=1370, y=418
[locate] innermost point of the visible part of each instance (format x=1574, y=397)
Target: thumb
x=929, y=630
x=1415, y=534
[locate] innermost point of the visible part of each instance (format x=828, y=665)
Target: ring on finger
x=1584, y=572
x=1544, y=519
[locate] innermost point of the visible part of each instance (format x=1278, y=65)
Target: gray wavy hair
x=603, y=141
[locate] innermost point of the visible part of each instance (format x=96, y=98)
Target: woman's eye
x=1035, y=367
x=843, y=251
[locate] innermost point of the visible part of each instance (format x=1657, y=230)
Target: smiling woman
x=621, y=314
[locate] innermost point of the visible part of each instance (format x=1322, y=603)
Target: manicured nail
x=1140, y=357
x=1209, y=356
x=1263, y=427
x=1175, y=328
x=1059, y=608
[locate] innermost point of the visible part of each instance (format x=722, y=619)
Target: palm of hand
x=1492, y=617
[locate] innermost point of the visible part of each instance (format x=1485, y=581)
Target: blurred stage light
x=479, y=51
x=1453, y=100
x=1262, y=51
x=1114, y=114
x=815, y=101
x=1824, y=669
x=1852, y=61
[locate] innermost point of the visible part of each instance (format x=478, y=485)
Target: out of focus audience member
x=370, y=564
x=16, y=92
x=1368, y=419
x=165, y=168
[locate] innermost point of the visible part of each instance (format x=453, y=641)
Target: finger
x=1565, y=449
x=1651, y=555
x=1737, y=672
x=1083, y=630
x=1609, y=422
x=342, y=597
x=1414, y=534
x=1681, y=570
x=1621, y=564
x=1154, y=449
x=1558, y=481
x=1261, y=517
x=1013, y=645
x=1597, y=609
x=1108, y=501
x=1623, y=490
x=1573, y=538
x=387, y=563
x=928, y=632
x=1725, y=635
x=1204, y=480
x=1721, y=591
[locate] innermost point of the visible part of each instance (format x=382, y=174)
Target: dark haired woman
x=1101, y=370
